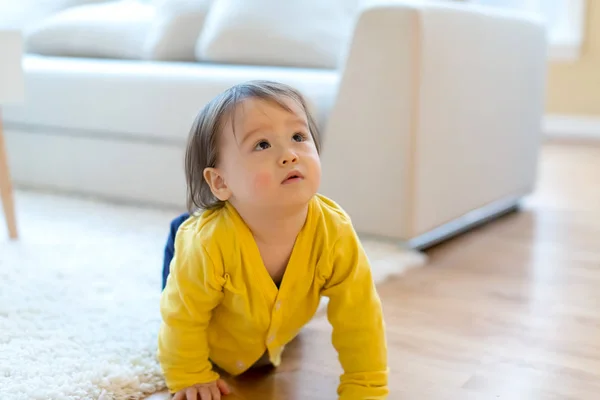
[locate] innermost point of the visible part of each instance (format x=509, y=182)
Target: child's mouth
x=293, y=177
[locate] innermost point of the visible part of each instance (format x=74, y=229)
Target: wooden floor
x=510, y=310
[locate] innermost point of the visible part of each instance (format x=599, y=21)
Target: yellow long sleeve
x=193, y=290
x=355, y=313
x=220, y=305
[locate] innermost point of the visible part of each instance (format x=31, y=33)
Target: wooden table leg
x=6, y=192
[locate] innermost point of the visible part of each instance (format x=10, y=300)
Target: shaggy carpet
x=79, y=296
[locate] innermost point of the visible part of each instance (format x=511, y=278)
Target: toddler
x=259, y=249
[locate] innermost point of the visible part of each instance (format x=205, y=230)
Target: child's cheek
x=262, y=180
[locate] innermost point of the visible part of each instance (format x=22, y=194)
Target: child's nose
x=288, y=157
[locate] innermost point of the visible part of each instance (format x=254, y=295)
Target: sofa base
x=466, y=222
x=124, y=170
x=121, y=169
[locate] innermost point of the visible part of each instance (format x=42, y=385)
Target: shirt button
x=278, y=305
x=240, y=364
x=271, y=338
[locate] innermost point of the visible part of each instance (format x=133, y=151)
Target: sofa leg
x=6, y=193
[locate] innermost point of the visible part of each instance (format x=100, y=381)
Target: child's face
x=272, y=159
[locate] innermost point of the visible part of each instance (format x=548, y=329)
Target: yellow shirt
x=220, y=304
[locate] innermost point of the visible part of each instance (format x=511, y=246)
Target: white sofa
x=431, y=122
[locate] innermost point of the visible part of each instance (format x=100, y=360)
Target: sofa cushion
x=148, y=101
x=113, y=29
x=311, y=33
x=22, y=14
x=176, y=28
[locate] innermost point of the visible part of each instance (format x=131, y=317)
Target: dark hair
x=203, y=143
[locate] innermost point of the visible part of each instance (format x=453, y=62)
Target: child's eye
x=299, y=137
x=262, y=145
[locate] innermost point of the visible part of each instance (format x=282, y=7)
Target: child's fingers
x=204, y=393
x=179, y=395
x=223, y=387
x=191, y=393
x=215, y=392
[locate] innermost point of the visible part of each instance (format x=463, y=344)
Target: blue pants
x=170, y=246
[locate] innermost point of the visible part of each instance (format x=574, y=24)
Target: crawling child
x=260, y=247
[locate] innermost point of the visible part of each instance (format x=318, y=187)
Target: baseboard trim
x=556, y=126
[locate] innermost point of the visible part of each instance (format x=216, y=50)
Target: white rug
x=79, y=298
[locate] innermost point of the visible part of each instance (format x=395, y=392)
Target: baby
x=250, y=264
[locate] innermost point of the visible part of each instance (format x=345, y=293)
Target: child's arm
x=193, y=290
x=355, y=314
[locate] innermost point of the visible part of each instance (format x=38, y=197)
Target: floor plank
x=508, y=310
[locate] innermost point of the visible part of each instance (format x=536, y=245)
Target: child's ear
x=217, y=184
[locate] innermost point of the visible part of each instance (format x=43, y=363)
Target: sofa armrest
x=438, y=113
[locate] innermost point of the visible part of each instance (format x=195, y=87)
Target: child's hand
x=206, y=391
